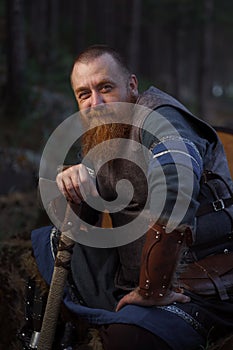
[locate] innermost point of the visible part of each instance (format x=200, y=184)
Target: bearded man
x=131, y=291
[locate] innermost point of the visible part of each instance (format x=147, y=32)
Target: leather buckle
x=218, y=205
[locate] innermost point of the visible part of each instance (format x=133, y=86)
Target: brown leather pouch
x=210, y=276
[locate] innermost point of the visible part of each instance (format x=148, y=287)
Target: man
x=131, y=291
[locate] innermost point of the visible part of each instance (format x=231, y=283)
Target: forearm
x=160, y=257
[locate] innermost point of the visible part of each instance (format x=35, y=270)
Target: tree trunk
x=205, y=59
x=79, y=18
x=16, y=59
x=53, y=29
x=110, y=26
x=39, y=30
x=134, y=40
x=175, y=58
x=177, y=54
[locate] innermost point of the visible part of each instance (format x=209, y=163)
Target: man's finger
x=121, y=303
x=86, y=183
x=181, y=298
x=135, y=298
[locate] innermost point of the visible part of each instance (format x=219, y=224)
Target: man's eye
x=106, y=88
x=83, y=95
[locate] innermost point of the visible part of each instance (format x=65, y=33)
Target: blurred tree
x=205, y=80
x=79, y=22
x=103, y=15
x=43, y=19
x=16, y=58
x=135, y=39
x=38, y=29
x=109, y=25
x=176, y=46
x=53, y=30
x=167, y=42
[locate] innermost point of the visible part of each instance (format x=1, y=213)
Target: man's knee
x=130, y=337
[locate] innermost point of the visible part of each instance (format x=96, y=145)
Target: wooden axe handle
x=61, y=268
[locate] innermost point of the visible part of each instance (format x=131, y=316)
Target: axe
x=61, y=268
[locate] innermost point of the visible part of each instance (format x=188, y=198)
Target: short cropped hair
x=94, y=51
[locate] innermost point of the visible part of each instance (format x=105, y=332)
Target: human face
x=102, y=81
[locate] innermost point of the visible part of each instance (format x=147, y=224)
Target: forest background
x=183, y=47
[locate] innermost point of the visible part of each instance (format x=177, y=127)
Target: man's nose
x=96, y=99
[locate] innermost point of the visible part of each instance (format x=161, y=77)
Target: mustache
x=98, y=115
x=108, y=113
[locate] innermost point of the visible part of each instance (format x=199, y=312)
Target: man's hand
x=76, y=184
x=135, y=298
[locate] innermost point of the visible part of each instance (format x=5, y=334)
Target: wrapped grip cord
x=61, y=268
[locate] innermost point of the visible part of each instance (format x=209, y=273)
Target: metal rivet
x=69, y=223
x=157, y=236
x=226, y=251
x=146, y=294
x=179, y=242
x=147, y=286
x=160, y=294
x=163, y=287
x=147, y=281
x=197, y=313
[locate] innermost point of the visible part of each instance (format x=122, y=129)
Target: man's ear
x=133, y=85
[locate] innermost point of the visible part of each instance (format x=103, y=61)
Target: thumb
x=121, y=303
x=93, y=189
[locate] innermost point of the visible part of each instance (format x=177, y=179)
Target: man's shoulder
x=154, y=98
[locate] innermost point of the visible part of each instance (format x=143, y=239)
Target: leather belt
x=217, y=205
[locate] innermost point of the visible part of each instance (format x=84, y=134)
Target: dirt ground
x=19, y=215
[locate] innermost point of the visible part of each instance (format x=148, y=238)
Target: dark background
x=181, y=46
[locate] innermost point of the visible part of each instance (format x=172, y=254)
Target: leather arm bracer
x=160, y=257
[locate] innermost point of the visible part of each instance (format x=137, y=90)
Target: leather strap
x=215, y=278
x=218, y=284
x=160, y=257
x=218, y=203
x=214, y=206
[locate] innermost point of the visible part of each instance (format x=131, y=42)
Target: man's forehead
x=104, y=61
x=101, y=68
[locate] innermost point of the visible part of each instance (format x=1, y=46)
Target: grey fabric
x=92, y=271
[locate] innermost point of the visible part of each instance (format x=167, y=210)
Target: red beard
x=99, y=132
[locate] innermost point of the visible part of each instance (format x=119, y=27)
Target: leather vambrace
x=160, y=257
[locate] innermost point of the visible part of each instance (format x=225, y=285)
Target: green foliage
x=53, y=75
